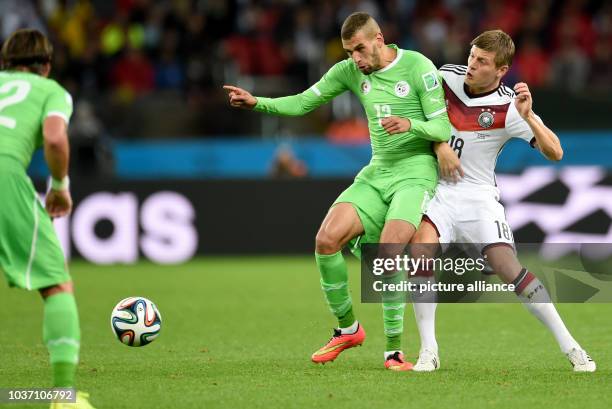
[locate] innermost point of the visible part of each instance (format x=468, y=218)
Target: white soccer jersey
x=469, y=211
x=481, y=126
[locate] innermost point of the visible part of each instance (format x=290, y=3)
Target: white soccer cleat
x=428, y=361
x=580, y=360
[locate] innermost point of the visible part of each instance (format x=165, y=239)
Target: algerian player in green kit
x=34, y=112
x=404, y=102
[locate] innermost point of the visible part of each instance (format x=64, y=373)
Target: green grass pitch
x=238, y=333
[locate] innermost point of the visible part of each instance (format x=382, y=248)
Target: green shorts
x=386, y=189
x=30, y=253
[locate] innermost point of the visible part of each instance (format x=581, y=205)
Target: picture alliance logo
x=107, y=228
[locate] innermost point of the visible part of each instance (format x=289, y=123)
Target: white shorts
x=469, y=215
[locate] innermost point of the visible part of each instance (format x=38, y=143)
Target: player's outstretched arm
x=57, y=154
x=545, y=140
x=330, y=85
x=293, y=105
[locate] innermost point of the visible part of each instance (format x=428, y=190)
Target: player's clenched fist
x=240, y=98
x=523, y=101
x=58, y=203
x=395, y=124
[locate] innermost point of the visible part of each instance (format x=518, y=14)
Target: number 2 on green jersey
x=23, y=88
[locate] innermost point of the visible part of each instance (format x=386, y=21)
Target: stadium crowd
x=131, y=48
x=140, y=45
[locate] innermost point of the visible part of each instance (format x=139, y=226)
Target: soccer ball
x=136, y=321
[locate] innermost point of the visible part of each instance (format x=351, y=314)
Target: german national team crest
x=486, y=118
x=402, y=88
x=366, y=87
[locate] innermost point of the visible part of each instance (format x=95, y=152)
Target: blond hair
x=498, y=42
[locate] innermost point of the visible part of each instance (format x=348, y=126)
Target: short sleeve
x=59, y=103
x=516, y=127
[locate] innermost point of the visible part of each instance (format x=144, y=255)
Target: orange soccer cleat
x=338, y=343
x=396, y=362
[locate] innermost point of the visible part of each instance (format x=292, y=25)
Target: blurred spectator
x=18, y=14
x=349, y=130
x=114, y=35
x=575, y=26
x=286, y=166
x=570, y=66
x=350, y=6
x=71, y=26
x=92, y=151
x=454, y=48
x=169, y=71
x=133, y=74
x=502, y=14
x=532, y=63
x=534, y=22
x=601, y=74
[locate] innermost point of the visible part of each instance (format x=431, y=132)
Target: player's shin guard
x=62, y=336
x=334, y=282
x=393, y=312
x=536, y=299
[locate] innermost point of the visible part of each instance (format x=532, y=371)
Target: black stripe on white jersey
x=462, y=67
x=506, y=91
x=453, y=67
x=503, y=93
x=453, y=70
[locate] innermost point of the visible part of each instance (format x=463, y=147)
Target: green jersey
x=409, y=87
x=30, y=253
x=26, y=99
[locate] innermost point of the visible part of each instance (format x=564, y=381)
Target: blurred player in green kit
x=403, y=99
x=34, y=112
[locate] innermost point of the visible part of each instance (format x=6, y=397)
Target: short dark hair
x=498, y=42
x=26, y=48
x=354, y=23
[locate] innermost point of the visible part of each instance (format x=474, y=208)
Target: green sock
x=334, y=282
x=393, y=343
x=63, y=374
x=347, y=319
x=62, y=335
x=393, y=322
x=393, y=313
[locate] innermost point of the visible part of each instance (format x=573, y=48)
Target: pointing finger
x=231, y=88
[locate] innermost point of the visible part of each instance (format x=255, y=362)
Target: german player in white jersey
x=485, y=115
